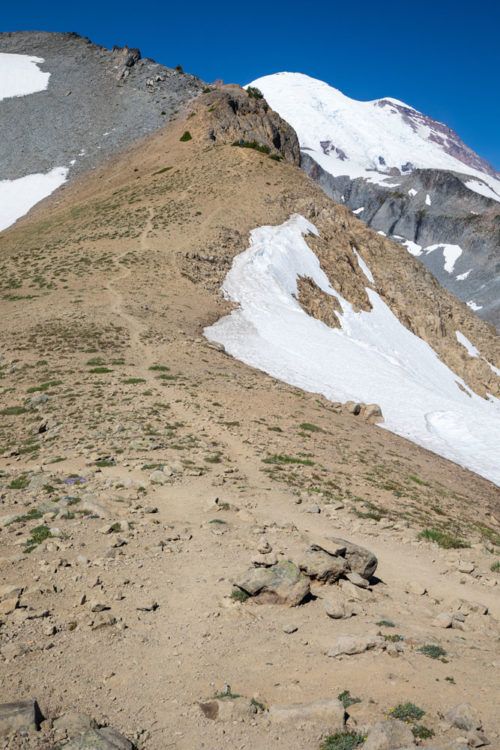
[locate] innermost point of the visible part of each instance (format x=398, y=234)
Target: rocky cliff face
x=232, y=115
x=97, y=102
x=430, y=208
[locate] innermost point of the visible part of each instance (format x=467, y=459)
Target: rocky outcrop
x=231, y=115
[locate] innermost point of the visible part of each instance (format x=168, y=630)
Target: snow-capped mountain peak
x=377, y=139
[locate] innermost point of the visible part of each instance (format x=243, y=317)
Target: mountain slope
x=67, y=104
x=156, y=463
x=404, y=174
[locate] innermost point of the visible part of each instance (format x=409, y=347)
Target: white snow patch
x=372, y=358
x=364, y=267
x=382, y=233
x=20, y=75
x=471, y=349
x=483, y=189
x=474, y=306
x=463, y=276
x=412, y=247
x=428, y=201
x=412, y=192
x=18, y=196
x=493, y=368
x=451, y=254
x=359, y=210
x=367, y=139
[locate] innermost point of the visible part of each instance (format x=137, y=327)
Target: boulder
x=329, y=710
x=282, y=583
x=322, y=566
x=20, y=716
x=372, y=413
x=348, y=645
x=360, y=559
x=391, y=734
x=72, y=723
x=463, y=716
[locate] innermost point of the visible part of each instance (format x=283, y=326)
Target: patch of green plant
x=443, y=539
x=309, y=427
x=407, y=712
x=213, y=458
x=100, y=370
x=159, y=368
x=257, y=705
x=422, y=733
x=104, y=462
x=239, y=595
x=186, y=136
x=276, y=157
x=393, y=637
x=217, y=520
x=432, y=651
x=38, y=535
x=263, y=149
x=347, y=699
x=13, y=411
x=44, y=386
x=275, y=429
x=385, y=624
x=495, y=567
x=281, y=458
x=133, y=381
x=19, y=483
x=451, y=680
x=254, y=93
x=417, y=480
x=31, y=515
x=227, y=695
x=95, y=362
x=342, y=741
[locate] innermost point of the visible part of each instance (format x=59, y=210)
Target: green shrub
x=38, y=535
x=254, y=93
x=443, y=539
x=342, y=741
x=239, y=595
x=347, y=699
x=432, y=651
x=253, y=144
x=280, y=458
x=186, y=136
x=407, y=712
x=422, y=733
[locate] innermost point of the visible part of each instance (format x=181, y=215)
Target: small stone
x=349, y=644
x=149, y=606
x=158, y=477
x=466, y=567
x=391, y=734
x=358, y=580
x=312, y=509
x=290, y=629
x=98, y=606
x=443, y=620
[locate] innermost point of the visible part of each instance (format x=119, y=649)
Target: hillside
x=405, y=175
x=144, y=469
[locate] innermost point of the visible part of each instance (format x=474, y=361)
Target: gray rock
x=227, y=709
x=20, y=716
x=72, y=723
x=391, y=734
x=360, y=559
x=463, y=716
x=337, y=607
x=330, y=710
x=357, y=580
x=322, y=566
x=348, y=645
x=158, y=477
x=106, y=738
x=280, y=584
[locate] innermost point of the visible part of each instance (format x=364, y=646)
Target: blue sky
x=442, y=57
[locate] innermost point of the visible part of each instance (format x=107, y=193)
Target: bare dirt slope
x=143, y=470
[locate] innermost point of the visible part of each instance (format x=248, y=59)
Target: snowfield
x=372, y=358
x=362, y=139
x=20, y=75
x=18, y=196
